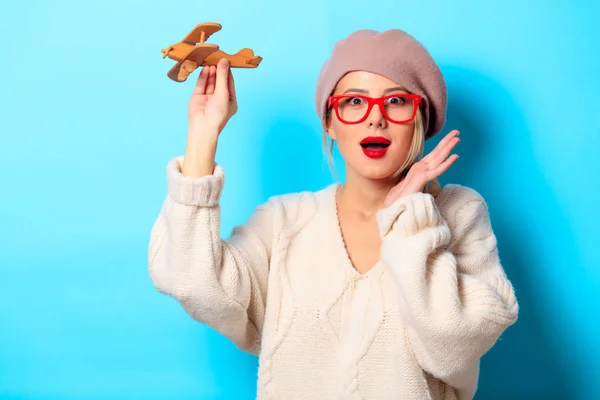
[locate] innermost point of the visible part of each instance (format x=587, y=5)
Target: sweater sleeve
x=454, y=293
x=221, y=283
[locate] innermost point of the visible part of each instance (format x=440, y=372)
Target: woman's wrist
x=200, y=155
x=199, y=126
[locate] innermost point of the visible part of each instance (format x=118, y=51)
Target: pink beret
x=395, y=55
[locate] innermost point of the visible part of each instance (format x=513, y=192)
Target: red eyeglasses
x=397, y=108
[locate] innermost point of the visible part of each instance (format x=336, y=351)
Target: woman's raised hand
x=427, y=169
x=213, y=100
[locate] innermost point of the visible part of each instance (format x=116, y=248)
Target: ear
x=329, y=127
x=331, y=133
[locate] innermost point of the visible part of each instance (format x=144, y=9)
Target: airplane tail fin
x=246, y=52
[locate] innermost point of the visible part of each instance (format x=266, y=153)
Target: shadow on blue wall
x=526, y=363
x=296, y=163
x=234, y=372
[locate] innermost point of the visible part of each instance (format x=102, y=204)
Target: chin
x=375, y=172
x=374, y=168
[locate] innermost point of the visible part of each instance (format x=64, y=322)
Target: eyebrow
x=388, y=90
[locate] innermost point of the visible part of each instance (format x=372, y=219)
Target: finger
x=200, y=87
x=231, y=85
x=210, y=84
x=443, y=152
x=222, y=84
x=452, y=134
x=443, y=167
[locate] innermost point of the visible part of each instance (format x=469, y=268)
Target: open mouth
x=374, y=146
x=375, y=143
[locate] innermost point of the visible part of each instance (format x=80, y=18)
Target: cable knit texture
x=282, y=286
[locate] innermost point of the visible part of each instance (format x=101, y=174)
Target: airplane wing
x=244, y=58
x=207, y=27
x=181, y=70
x=190, y=61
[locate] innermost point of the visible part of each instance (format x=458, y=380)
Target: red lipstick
x=375, y=146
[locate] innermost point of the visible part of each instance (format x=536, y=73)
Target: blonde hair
x=415, y=152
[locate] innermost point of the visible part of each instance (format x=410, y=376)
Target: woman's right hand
x=213, y=100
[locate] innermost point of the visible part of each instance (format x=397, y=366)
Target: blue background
x=88, y=121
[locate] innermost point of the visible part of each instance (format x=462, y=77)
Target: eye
x=396, y=101
x=355, y=101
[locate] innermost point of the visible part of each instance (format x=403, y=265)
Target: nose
x=376, y=117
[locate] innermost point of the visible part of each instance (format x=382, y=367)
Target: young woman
x=384, y=287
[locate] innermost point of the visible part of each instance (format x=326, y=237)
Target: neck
x=363, y=195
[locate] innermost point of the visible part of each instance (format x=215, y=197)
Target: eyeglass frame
x=372, y=101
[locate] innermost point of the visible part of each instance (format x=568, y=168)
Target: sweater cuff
x=409, y=214
x=204, y=191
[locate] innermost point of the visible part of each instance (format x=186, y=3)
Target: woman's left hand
x=427, y=169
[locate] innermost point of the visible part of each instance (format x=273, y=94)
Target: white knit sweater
x=282, y=286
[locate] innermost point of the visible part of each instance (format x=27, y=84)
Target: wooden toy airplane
x=193, y=52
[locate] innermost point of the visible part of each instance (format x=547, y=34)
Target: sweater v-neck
x=338, y=235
